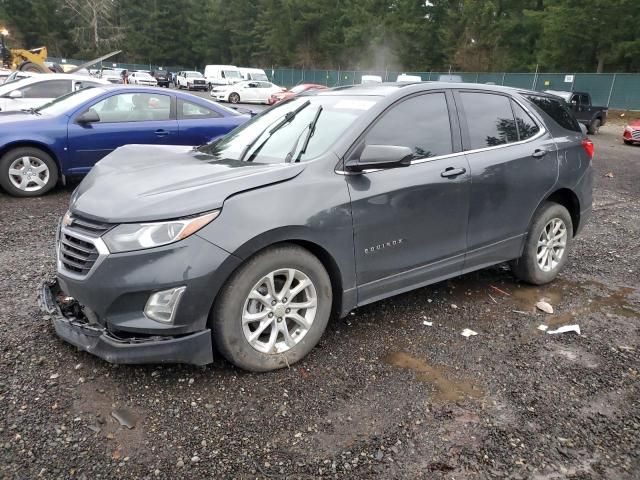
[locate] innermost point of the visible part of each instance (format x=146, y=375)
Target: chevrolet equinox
x=321, y=204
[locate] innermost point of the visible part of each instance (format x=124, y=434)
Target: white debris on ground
x=467, y=332
x=565, y=329
x=544, y=306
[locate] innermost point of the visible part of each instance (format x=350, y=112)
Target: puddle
x=616, y=302
x=447, y=389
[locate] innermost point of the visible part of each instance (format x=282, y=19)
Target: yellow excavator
x=26, y=60
x=34, y=60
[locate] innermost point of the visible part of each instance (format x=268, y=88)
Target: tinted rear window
x=557, y=109
x=489, y=118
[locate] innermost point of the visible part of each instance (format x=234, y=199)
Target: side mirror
x=381, y=156
x=15, y=94
x=90, y=116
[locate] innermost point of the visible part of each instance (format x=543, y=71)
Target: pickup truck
x=580, y=103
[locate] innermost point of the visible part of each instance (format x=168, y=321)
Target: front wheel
x=27, y=172
x=234, y=98
x=273, y=310
x=594, y=126
x=547, y=245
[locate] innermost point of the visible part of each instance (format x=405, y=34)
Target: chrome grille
x=89, y=226
x=635, y=134
x=80, y=247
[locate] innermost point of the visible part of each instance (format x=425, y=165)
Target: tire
x=594, y=126
x=627, y=142
x=42, y=175
x=231, y=334
x=32, y=67
x=527, y=268
x=234, y=98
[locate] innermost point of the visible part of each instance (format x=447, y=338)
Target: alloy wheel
x=551, y=244
x=279, y=311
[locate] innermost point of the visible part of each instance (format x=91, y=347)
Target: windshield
x=298, y=89
x=337, y=114
x=143, y=75
x=194, y=74
x=231, y=74
x=69, y=101
x=260, y=76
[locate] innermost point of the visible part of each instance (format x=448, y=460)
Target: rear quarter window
x=558, y=110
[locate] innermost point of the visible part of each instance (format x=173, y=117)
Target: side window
x=133, y=107
x=188, y=110
x=584, y=100
x=264, y=84
x=79, y=85
x=557, y=110
x=489, y=119
x=47, y=89
x=527, y=128
x=420, y=123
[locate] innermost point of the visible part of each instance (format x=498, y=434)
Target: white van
x=253, y=74
x=403, y=77
x=371, y=79
x=221, y=75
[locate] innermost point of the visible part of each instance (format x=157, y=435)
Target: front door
x=125, y=118
x=410, y=223
x=514, y=164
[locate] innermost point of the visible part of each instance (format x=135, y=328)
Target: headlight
x=137, y=236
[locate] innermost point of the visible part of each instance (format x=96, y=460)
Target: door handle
x=161, y=133
x=452, y=172
x=539, y=153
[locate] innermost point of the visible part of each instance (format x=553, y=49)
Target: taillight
x=588, y=146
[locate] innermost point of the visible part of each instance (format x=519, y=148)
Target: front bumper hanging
x=73, y=325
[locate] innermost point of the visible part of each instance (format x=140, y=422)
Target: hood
x=634, y=124
x=140, y=183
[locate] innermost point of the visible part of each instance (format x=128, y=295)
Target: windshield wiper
x=32, y=110
x=288, y=117
x=312, y=129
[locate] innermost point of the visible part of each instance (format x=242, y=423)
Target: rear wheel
x=27, y=172
x=234, y=98
x=594, y=126
x=273, y=310
x=547, y=245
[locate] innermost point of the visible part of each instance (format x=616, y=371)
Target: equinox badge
x=382, y=246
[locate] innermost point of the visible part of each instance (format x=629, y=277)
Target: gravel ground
x=383, y=396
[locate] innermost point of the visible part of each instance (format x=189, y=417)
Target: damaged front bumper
x=73, y=326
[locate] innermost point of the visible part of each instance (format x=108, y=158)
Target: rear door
x=125, y=118
x=410, y=223
x=513, y=162
x=198, y=124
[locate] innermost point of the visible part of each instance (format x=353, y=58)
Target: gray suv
x=321, y=204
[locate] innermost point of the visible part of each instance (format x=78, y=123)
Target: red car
x=631, y=132
x=303, y=87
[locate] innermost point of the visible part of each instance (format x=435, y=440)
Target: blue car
x=67, y=136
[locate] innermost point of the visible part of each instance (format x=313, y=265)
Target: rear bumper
x=194, y=348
